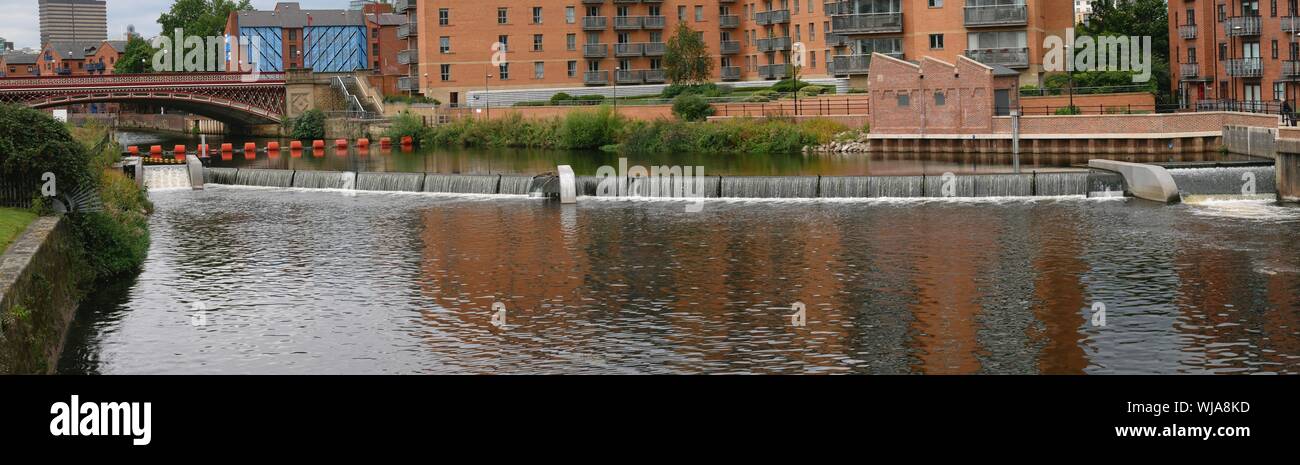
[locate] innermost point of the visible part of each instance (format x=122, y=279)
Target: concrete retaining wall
x=40, y=279
x=1149, y=182
x=1288, y=170
x=1248, y=140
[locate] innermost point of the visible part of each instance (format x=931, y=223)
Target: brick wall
x=1164, y=123
x=1089, y=103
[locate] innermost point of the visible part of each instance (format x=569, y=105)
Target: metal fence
x=1041, y=92
x=16, y=193
x=807, y=107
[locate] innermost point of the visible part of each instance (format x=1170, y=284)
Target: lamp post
x=487, y=98
x=616, y=70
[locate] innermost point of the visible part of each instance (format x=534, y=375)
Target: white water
x=167, y=177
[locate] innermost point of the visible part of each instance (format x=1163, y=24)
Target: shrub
x=788, y=85
x=410, y=99
x=706, y=90
x=407, y=124
x=857, y=91
x=532, y=103
x=1070, y=110
x=32, y=143
x=692, y=108
x=309, y=125
x=560, y=97
x=590, y=129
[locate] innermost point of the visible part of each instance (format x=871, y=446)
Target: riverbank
x=603, y=128
x=42, y=279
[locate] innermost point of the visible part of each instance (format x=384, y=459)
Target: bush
x=692, y=108
x=706, y=90
x=560, y=97
x=789, y=85
x=32, y=143
x=590, y=129
x=740, y=135
x=1070, y=110
x=407, y=124
x=307, y=126
x=410, y=99
x=532, y=103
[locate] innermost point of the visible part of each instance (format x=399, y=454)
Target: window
x=936, y=3
x=444, y=16
x=293, y=34
x=537, y=42
x=939, y=99
x=1191, y=54
x=444, y=44
x=1274, y=49
x=572, y=67
x=999, y=39
x=1223, y=51
x=1272, y=8
x=681, y=12
x=810, y=6
x=539, y=70
x=812, y=32
x=903, y=100
x=812, y=59
x=699, y=13
x=796, y=6
x=504, y=40
x=503, y=15
x=798, y=32
x=505, y=71
x=571, y=42
x=537, y=15
x=445, y=72
x=936, y=41
x=1279, y=91
x=570, y=15
x=1223, y=13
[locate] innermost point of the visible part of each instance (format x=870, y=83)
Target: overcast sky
x=20, y=23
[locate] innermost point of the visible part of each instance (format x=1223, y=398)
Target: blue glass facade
x=268, y=54
x=334, y=48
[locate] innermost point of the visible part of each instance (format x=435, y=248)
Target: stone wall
x=40, y=277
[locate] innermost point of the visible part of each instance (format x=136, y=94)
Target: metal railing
x=767, y=18
x=728, y=21
x=655, y=76
x=597, y=78
x=408, y=56
x=653, y=22
x=404, y=5
x=595, y=50
x=819, y=106
x=851, y=64
x=1245, y=106
x=1291, y=68
x=729, y=47
x=1290, y=23
x=773, y=71
x=1187, y=31
x=629, y=76
x=628, y=50
x=407, y=30
x=594, y=22
x=408, y=83
x=836, y=40
x=730, y=73
x=1241, y=26
x=1093, y=90
x=996, y=15
x=1009, y=57
x=627, y=22
x=1244, y=67
x=774, y=44
x=867, y=23
x=655, y=49
x=1189, y=70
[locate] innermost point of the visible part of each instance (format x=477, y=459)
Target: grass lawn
x=12, y=223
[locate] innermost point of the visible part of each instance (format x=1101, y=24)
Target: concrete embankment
x=40, y=277
x=1288, y=170
x=1149, y=182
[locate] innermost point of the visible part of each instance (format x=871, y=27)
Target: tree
x=686, y=59
x=692, y=108
x=137, y=58
x=1135, y=18
x=203, y=18
x=309, y=125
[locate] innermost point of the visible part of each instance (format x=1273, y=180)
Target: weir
x=391, y=182
x=1245, y=180
x=1080, y=183
x=167, y=177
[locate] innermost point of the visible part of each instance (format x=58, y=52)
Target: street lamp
x=487, y=98
x=616, y=70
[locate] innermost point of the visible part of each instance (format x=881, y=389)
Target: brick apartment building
x=15, y=64
x=568, y=43
x=75, y=58
x=1241, y=51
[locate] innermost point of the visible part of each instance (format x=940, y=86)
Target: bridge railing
x=140, y=79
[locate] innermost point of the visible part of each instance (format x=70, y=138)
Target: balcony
x=730, y=73
x=997, y=15
x=851, y=64
x=408, y=56
x=1291, y=24
x=1189, y=70
x=629, y=50
x=593, y=2
x=404, y=6
x=774, y=44
x=627, y=22
x=407, y=30
x=729, y=47
x=655, y=76
x=1244, y=67
x=594, y=23
x=1290, y=69
x=836, y=7
x=774, y=71
x=652, y=22
x=407, y=83
x=728, y=21
x=1187, y=31
x=595, y=78
x=629, y=76
x=1238, y=26
x=595, y=50
x=768, y=18
x=1009, y=57
x=654, y=49
x=867, y=23
x=836, y=40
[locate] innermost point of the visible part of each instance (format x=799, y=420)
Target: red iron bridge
x=235, y=98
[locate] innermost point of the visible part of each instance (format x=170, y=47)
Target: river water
x=264, y=280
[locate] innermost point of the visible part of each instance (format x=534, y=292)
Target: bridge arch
x=234, y=98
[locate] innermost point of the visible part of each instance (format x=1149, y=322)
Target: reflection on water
x=298, y=281
x=531, y=162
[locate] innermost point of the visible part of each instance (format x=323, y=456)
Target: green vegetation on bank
x=307, y=126
x=602, y=128
x=12, y=223
x=113, y=233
